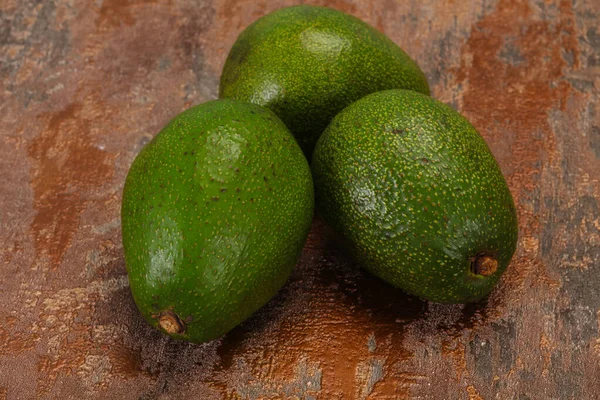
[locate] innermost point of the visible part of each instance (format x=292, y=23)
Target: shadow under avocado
x=324, y=270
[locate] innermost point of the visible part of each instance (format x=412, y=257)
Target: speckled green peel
x=307, y=63
x=215, y=212
x=417, y=194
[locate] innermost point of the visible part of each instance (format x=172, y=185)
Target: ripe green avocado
x=418, y=196
x=307, y=63
x=215, y=212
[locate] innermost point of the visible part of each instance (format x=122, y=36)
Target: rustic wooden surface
x=85, y=84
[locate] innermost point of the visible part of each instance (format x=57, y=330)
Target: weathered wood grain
x=85, y=84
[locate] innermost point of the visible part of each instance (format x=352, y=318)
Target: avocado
x=215, y=212
x=307, y=63
x=415, y=192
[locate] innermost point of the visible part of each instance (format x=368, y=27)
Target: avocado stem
x=171, y=323
x=484, y=264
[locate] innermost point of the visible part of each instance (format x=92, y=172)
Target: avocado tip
x=171, y=323
x=484, y=264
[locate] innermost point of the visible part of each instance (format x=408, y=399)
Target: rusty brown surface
x=85, y=84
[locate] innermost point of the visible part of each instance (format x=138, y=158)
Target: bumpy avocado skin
x=417, y=194
x=307, y=63
x=215, y=212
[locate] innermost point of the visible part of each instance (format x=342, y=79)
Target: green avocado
x=215, y=212
x=307, y=63
x=416, y=193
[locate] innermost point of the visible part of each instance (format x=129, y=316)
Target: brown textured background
x=85, y=84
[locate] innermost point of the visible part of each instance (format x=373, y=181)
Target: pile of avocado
x=217, y=207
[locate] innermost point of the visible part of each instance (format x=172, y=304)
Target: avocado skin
x=417, y=195
x=307, y=63
x=215, y=212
